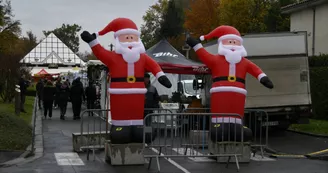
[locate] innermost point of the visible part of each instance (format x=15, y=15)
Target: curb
x=38, y=147
x=309, y=134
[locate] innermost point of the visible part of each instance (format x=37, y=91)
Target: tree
x=68, y=34
x=7, y=23
x=275, y=20
x=150, y=30
x=202, y=16
x=9, y=61
x=246, y=15
x=173, y=19
x=29, y=42
x=10, y=68
x=86, y=56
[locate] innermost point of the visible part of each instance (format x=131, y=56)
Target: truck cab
x=187, y=90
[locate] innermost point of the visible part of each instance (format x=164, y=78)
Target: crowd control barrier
x=95, y=130
x=221, y=141
x=254, y=119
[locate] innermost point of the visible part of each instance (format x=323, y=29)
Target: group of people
x=52, y=94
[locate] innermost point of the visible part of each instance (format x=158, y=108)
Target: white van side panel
x=285, y=74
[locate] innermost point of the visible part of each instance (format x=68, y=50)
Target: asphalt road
x=294, y=143
x=58, y=139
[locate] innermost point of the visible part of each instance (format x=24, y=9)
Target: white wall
x=321, y=35
x=303, y=21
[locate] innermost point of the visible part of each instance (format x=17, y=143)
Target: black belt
x=229, y=78
x=130, y=79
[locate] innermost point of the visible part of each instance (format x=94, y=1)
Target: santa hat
x=120, y=26
x=223, y=32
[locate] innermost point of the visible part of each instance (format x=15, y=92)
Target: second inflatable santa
x=127, y=65
x=229, y=69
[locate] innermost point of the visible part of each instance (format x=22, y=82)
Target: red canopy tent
x=172, y=61
x=42, y=72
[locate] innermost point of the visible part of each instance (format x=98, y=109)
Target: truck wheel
x=283, y=125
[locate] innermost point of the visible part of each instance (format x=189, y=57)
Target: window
x=190, y=90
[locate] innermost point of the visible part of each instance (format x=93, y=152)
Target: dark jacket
x=49, y=93
x=152, y=97
x=63, y=93
x=90, y=93
x=77, y=92
x=58, y=85
x=23, y=84
x=39, y=88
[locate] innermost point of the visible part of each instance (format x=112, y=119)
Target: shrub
x=319, y=84
x=15, y=133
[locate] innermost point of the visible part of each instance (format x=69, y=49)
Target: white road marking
x=172, y=161
x=64, y=159
x=181, y=151
x=259, y=157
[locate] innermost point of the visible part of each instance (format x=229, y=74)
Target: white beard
x=232, y=57
x=129, y=55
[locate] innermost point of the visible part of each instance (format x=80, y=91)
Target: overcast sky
x=92, y=15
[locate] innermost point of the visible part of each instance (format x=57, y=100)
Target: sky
x=92, y=15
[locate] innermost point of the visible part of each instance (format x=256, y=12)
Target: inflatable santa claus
x=127, y=65
x=229, y=69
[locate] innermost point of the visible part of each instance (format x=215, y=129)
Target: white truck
x=284, y=58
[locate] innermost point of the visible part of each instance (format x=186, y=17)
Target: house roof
x=52, y=50
x=301, y=6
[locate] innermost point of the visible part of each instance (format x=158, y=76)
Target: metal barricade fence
x=224, y=140
x=98, y=128
x=96, y=135
x=254, y=119
x=257, y=121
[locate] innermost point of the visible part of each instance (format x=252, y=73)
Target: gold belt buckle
x=131, y=79
x=232, y=78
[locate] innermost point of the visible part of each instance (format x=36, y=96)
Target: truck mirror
x=200, y=84
x=195, y=84
x=180, y=87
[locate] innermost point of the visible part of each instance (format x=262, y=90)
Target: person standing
x=23, y=84
x=151, y=97
x=77, y=96
x=63, y=95
x=69, y=84
x=90, y=93
x=58, y=85
x=39, y=90
x=49, y=92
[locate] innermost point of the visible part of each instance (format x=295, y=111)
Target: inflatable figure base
x=124, y=154
x=230, y=148
x=199, y=138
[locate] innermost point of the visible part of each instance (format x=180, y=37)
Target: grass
x=15, y=131
x=315, y=127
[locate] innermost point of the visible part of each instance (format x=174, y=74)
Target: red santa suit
x=127, y=89
x=228, y=93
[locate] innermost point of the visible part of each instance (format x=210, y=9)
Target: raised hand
x=87, y=37
x=192, y=42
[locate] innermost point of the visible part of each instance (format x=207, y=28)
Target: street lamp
x=186, y=47
x=111, y=47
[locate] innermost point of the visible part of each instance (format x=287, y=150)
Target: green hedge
x=31, y=90
x=319, y=85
